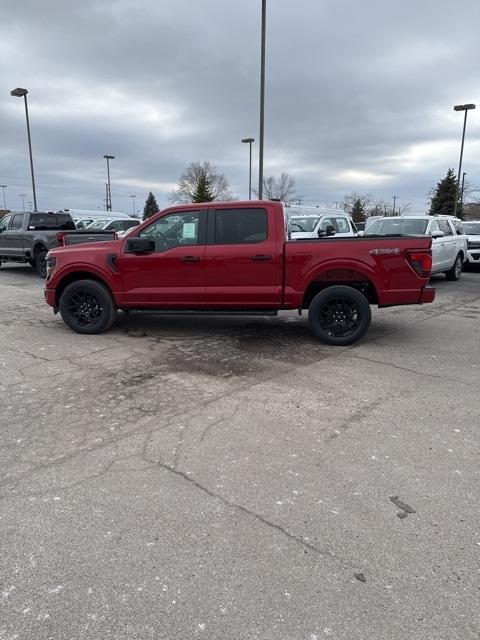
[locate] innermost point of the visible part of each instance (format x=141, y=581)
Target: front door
x=173, y=275
x=243, y=259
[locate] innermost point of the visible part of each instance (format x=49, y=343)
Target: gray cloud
x=360, y=95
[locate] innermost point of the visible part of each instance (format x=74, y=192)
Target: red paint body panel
x=229, y=276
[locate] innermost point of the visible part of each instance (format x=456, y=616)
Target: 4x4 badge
x=383, y=252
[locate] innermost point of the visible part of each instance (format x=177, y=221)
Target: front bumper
x=473, y=256
x=50, y=297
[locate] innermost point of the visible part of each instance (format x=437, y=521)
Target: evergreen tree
x=443, y=198
x=151, y=206
x=358, y=211
x=203, y=189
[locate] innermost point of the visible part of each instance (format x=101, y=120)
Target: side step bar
x=205, y=312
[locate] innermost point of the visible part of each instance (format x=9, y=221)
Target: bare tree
x=282, y=188
x=353, y=201
x=192, y=177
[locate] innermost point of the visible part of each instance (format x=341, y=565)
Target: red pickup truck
x=236, y=258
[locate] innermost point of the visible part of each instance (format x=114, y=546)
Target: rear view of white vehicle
x=449, y=242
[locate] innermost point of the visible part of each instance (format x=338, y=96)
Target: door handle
x=261, y=258
x=190, y=259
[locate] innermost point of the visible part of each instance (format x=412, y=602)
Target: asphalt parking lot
x=233, y=478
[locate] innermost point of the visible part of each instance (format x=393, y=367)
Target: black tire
x=41, y=263
x=455, y=272
x=87, y=307
x=339, y=315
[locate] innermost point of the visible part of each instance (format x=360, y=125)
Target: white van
x=84, y=217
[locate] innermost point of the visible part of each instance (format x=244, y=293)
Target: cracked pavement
x=232, y=478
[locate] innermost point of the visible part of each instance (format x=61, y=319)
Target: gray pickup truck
x=28, y=237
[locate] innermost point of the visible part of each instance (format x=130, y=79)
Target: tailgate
x=81, y=237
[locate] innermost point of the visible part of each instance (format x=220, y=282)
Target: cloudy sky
x=359, y=95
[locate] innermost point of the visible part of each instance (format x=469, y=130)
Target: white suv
x=472, y=231
x=449, y=242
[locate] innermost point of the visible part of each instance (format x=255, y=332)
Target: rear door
x=173, y=275
x=243, y=261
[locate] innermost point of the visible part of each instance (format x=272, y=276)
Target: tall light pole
x=262, y=101
x=109, y=189
x=394, y=201
x=249, y=141
x=466, y=108
x=133, y=205
x=19, y=93
x=4, y=186
x=463, y=185
x=22, y=196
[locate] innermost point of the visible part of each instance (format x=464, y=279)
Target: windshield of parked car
x=472, y=228
x=304, y=224
x=397, y=227
x=98, y=224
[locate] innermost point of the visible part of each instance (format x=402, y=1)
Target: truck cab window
x=4, y=223
x=240, y=226
x=17, y=221
x=174, y=230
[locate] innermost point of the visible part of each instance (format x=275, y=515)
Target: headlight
x=473, y=244
x=51, y=262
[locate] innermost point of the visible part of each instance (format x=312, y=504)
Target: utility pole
x=394, y=201
x=262, y=102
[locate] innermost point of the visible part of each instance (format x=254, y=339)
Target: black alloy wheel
x=339, y=315
x=87, y=307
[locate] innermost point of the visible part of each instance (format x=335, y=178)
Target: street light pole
x=133, y=205
x=394, y=201
x=18, y=93
x=466, y=108
x=109, y=189
x=4, y=186
x=249, y=142
x=22, y=196
x=262, y=102
x=463, y=184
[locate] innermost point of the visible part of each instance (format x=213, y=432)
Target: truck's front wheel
x=41, y=263
x=87, y=307
x=339, y=315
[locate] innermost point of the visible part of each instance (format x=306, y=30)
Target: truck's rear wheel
x=87, y=307
x=41, y=263
x=339, y=315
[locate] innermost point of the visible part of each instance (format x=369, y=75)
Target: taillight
x=61, y=238
x=422, y=263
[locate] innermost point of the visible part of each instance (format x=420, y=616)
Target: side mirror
x=139, y=245
x=360, y=234
x=438, y=234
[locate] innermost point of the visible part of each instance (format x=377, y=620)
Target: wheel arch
x=347, y=277
x=74, y=277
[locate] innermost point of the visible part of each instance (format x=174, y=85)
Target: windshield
x=471, y=228
x=397, y=227
x=98, y=224
x=303, y=224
